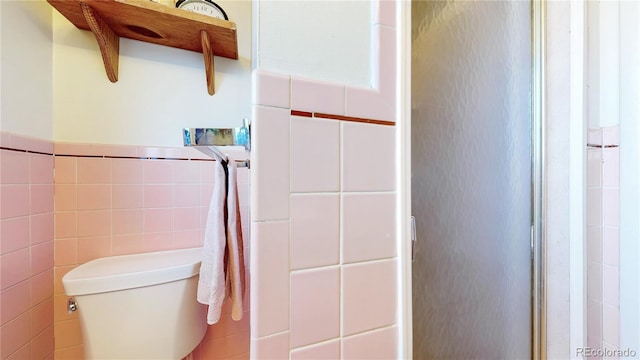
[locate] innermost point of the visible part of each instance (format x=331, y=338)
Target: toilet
x=140, y=306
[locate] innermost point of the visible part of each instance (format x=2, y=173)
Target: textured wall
x=471, y=131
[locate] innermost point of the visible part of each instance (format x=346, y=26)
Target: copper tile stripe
x=301, y=113
x=341, y=118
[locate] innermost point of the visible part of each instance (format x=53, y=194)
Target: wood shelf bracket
x=108, y=41
x=207, y=53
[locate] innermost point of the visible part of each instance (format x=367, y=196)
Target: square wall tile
x=186, y=172
x=368, y=296
x=315, y=155
x=41, y=169
x=611, y=285
x=368, y=157
x=594, y=207
x=14, y=234
x=317, y=96
x=377, y=344
x=66, y=223
x=127, y=196
x=324, y=350
x=594, y=136
x=611, y=246
x=269, y=278
x=270, y=164
x=41, y=257
x=94, y=222
x=611, y=324
x=594, y=167
x=271, y=89
x=41, y=198
x=90, y=248
x=315, y=233
x=41, y=286
x=157, y=172
x=127, y=171
x=158, y=196
x=611, y=135
x=368, y=226
x=14, y=167
x=94, y=171
x=15, y=334
x=14, y=268
x=42, y=345
x=594, y=244
x=15, y=301
x=65, y=169
x=14, y=201
x=41, y=228
x=594, y=323
x=611, y=167
x=271, y=347
x=594, y=281
x=611, y=207
x=315, y=306
x=94, y=196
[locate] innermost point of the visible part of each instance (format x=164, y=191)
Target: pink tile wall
x=603, y=267
x=26, y=248
x=115, y=200
x=323, y=250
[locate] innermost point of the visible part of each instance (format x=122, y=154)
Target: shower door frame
x=538, y=195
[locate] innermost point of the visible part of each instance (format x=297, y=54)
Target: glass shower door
x=471, y=179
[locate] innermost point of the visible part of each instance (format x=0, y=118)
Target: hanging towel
x=222, y=268
x=211, y=284
x=235, y=246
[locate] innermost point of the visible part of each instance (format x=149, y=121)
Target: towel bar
x=206, y=140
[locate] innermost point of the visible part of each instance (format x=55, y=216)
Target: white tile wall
x=368, y=226
x=270, y=164
x=269, y=278
x=368, y=296
x=315, y=155
x=368, y=157
x=315, y=306
x=315, y=233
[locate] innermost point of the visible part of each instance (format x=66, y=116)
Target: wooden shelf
x=148, y=21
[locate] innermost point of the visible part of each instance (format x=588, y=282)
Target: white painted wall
x=25, y=68
x=160, y=89
x=565, y=168
x=629, y=176
x=603, y=59
x=324, y=40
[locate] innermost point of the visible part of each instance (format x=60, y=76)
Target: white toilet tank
x=140, y=306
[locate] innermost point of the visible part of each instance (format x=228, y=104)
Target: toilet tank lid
x=132, y=271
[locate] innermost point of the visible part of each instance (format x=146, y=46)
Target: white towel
x=222, y=267
x=235, y=247
x=211, y=284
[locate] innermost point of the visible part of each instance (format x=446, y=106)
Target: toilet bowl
x=140, y=306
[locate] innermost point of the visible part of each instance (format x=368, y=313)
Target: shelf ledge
x=147, y=21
